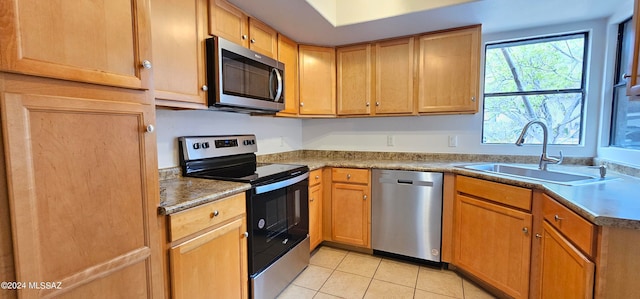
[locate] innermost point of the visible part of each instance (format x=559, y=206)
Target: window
x=535, y=79
x=625, y=124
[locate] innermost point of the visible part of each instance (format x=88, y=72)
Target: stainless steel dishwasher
x=406, y=213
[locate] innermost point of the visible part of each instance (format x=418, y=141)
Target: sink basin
x=532, y=173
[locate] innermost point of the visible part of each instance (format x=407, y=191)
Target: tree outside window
x=535, y=79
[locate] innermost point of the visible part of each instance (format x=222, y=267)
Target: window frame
x=581, y=90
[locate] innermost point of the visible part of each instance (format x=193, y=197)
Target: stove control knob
x=246, y=142
x=196, y=146
x=205, y=145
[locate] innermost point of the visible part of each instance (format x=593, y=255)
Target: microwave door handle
x=275, y=73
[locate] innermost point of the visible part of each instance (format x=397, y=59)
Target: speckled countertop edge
x=179, y=193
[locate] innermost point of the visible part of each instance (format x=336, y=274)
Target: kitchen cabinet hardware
x=317, y=177
x=557, y=218
x=625, y=76
x=348, y=176
x=525, y=230
x=245, y=234
x=538, y=236
x=364, y=197
x=146, y=64
x=301, y=104
x=253, y=40
x=368, y=104
x=377, y=104
x=311, y=199
x=214, y=214
x=473, y=99
x=150, y=128
x=244, y=36
x=205, y=88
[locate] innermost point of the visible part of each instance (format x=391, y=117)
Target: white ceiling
x=298, y=20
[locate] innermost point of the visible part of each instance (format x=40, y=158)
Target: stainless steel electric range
x=277, y=205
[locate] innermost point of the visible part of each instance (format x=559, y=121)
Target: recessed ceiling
x=341, y=13
x=300, y=21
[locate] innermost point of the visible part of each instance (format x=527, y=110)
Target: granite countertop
x=609, y=203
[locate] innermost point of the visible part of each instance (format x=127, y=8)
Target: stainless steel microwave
x=242, y=80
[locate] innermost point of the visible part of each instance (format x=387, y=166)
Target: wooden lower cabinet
x=492, y=241
x=210, y=262
x=351, y=209
x=315, y=208
x=81, y=190
x=565, y=271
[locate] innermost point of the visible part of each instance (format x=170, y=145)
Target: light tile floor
x=336, y=273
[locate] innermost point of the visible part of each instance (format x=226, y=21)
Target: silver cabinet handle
x=245, y=234
x=150, y=128
x=538, y=236
x=368, y=104
x=205, y=88
x=348, y=176
x=525, y=230
x=301, y=104
x=364, y=197
x=317, y=177
x=244, y=36
x=557, y=218
x=311, y=199
x=253, y=40
x=377, y=103
x=214, y=214
x=146, y=64
x=473, y=99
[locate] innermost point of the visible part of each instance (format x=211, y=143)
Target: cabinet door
x=394, y=77
x=317, y=80
x=288, y=54
x=350, y=213
x=448, y=71
x=493, y=243
x=179, y=29
x=566, y=272
x=102, y=42
x=262, y=38
x=633, y=83
x=354, y=80
x=228, y=22
x=315, y=215
x=212, y=265
x=83, y=193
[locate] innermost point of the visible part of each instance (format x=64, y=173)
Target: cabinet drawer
x=190, y=221
x=575, y=228
x=315, y=177
x=501, y=193
x=350, y=175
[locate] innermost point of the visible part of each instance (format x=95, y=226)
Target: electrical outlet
x=453, y=141
x=390, y=140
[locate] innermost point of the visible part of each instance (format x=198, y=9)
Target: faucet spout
x=544, y=159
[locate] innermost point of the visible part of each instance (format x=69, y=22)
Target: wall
x=620, y=155
x=273, y=135
x=431, y=133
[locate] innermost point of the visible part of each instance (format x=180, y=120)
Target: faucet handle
x=559, y=159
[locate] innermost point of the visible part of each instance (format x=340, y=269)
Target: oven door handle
x=281, y=184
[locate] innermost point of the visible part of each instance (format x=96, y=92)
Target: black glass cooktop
x=251, y=173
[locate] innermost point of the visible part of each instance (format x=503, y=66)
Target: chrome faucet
x=544, y=159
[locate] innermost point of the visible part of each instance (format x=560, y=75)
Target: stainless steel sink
x=532, y=173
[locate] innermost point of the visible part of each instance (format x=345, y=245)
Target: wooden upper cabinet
x=262, y=38
x=448, y=71
x=232, y=24
x=633, y=83
x=228, y=22
x=317, y=80
x=394, y=76
x=354, y=66
x=179, y=29
x=288, y=54
x=101, y=42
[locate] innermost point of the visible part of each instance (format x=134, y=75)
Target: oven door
x=279, y=217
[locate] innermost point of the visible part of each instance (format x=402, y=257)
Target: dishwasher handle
x=406, y=182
